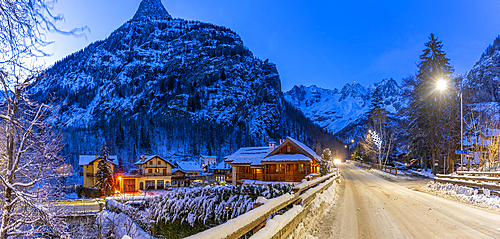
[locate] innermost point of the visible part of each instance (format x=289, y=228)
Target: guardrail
x=463, y=179
x=241, y=225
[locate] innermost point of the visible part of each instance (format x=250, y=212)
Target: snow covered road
x=371, y=207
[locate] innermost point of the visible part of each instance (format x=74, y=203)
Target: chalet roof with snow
x=248, y=155
x=255, y=156
x=87, y=159
x=188, y=166
x=300, y=145
x=208, y=156
x=221, y=166
x=178, y=170
x=144, y=159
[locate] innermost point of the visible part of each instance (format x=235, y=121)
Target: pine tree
x=104, y=175
x=429, y=110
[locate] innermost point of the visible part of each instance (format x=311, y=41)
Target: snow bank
x=314, y=190
x=427, y=173
x=464, y=194
x=315, y=209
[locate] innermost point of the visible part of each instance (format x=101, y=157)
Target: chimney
x=271, y=146
x=282, y=141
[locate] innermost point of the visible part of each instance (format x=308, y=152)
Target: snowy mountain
x=344, y=112
x=167, y=86
x=483, y=80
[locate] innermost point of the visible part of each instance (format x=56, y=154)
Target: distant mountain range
x=344, y=112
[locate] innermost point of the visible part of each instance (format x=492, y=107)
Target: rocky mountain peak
x=151, y=10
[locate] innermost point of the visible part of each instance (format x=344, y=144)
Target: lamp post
x=348, y=147
x=441, y=85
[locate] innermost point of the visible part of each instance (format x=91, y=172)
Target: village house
x=180, y=178
x=291, y=161
x=193, y=171
x=207, y=160
x=154, y=172
x=220, y=170
x=90, y=166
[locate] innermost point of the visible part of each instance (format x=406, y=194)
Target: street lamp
x=441, y=85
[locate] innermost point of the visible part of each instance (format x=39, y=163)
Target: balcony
x=281, y=177
x=278, y=177
x=155, y=174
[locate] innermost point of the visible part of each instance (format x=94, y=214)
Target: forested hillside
x=171, y=87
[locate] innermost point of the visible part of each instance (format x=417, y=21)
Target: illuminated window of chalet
x=301, y=168
x=288, y=149
x=278, y=168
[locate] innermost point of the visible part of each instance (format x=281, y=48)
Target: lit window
x=301, y=168
x=278, y=168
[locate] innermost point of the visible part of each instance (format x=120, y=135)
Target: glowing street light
x=441, y=85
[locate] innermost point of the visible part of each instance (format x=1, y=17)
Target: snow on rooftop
x=86, y=159
x=222, y=166
x=249, y=155
x=189, y=166
x=144, y=159
x=287, y=157
x=307, y=149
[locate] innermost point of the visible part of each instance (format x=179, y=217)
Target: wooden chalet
x=291, y=161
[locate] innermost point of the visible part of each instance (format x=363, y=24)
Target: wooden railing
x=302, y=194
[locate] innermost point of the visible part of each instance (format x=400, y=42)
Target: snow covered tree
x=431, y=114
x=326, y=162
x=104, y=176
x=28, y=164
x=29, y=151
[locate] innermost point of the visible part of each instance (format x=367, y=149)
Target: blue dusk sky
x=325, y=43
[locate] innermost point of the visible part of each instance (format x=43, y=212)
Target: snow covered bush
x=186, y=212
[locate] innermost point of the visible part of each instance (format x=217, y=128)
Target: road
x=369, y=206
